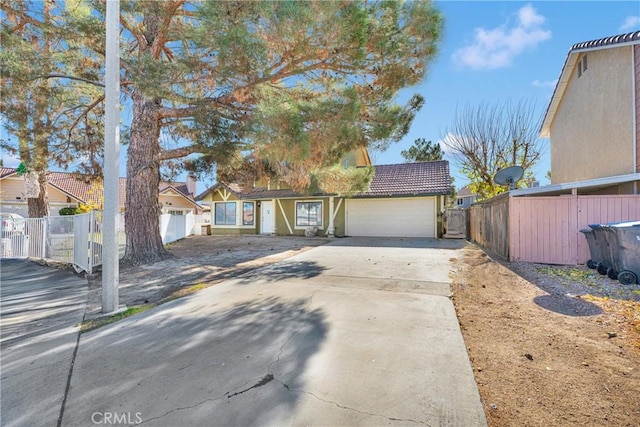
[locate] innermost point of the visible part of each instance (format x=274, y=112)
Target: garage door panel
x=410, y=217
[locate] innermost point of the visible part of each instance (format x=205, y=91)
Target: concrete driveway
x=356, y=332
x=39, y=307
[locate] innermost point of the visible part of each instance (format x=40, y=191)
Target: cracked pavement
x=355, y=332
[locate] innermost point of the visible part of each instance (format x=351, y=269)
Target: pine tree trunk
x=39, y=206
x=142, y=209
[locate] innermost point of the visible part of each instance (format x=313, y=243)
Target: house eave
x=577, y=185
x=399, y=195
x=567, y=69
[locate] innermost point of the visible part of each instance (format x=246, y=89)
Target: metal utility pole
x=110, y=259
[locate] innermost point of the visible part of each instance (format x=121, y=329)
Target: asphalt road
x=356, y=332
x=39, y=307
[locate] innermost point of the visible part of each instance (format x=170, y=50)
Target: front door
x=266, y=217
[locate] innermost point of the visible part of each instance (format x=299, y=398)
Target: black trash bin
x=625, y=250
x=605, y=264
x=594, y=248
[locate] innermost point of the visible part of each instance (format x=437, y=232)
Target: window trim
x=253, y=218
x=215, y=223
x=238, y=217
x=295, y=214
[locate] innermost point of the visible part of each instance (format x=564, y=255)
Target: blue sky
x=497, y=51
x=505, y=50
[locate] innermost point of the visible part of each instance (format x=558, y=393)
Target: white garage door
x=398, y=217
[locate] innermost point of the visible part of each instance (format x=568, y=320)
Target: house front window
x=248, y=209
x=225, y=213
x=308, y=214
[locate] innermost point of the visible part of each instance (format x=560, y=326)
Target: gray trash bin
x=626, y=250
x=594, y=248
x=605, y=264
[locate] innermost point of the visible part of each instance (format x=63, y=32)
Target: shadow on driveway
x=400, y=242
x=198, y=362
x=39, y=308
x=37, y=300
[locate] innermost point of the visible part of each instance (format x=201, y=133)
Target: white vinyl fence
x=176, y=227
x=76, y=239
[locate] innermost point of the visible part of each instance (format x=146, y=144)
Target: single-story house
x=403, y=200
x=70, y=190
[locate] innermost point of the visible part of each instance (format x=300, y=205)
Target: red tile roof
x=404, y=179
x=410, y=179
x=6, y=171
x=83, y=188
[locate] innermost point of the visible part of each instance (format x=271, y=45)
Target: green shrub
x=68, y=211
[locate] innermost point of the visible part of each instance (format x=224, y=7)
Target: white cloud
x=445, y=141
x=544, y=84
x=9, y=160
x=630, y=23
x=496, y=48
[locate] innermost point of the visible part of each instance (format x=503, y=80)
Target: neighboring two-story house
x=593, y=118
x=465, y=198
x=69, y=190
x=403, y=200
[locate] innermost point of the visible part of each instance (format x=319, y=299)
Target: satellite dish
x=509, y=176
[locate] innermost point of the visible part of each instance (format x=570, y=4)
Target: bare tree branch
x=487, y=138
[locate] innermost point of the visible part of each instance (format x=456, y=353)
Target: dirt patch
x=543, y=351
x=199, y=261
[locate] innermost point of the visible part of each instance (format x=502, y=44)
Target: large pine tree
x=290, y=84
x=47, y=121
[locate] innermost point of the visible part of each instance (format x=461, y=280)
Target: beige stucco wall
x=13, y=187
x=176, y=201
x=592, y=131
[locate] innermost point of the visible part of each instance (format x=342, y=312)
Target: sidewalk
x=39, y=306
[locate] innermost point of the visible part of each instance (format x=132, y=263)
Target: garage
x=391, y=217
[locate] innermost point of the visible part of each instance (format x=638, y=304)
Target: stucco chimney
x=191, y=185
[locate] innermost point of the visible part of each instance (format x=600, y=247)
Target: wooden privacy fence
x=489, y=224
x=546, y=229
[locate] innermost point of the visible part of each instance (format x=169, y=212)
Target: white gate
x=23, y=237
x=76, y=239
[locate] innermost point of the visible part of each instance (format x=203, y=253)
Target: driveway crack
x=182, y=408
x=294, y=333
x=262, y=382
x=348, y=408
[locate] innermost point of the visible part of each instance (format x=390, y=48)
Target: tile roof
x=410, y=179
x=78, y=187
x=404, y=179
x=264, y=193
x=608, y=41
x=83, y=189
x=180, y=187
x=6, y=171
